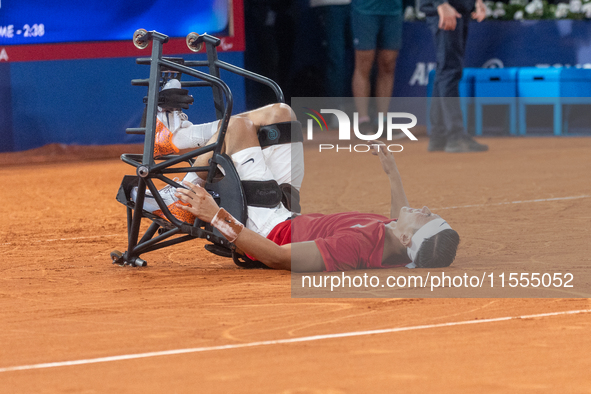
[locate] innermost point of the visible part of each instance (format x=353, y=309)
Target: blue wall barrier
x=6, y=137
x=89, y=101
x=542, y=43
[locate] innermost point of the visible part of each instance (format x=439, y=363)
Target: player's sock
x=167, y=193
x=193, y=136
x=194, y=179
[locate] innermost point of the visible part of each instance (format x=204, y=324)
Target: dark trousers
x=446, y=113
x=335, y=22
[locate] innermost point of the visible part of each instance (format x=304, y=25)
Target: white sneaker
x=150, y=204
x=173, y=203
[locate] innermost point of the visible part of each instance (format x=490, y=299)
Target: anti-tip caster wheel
x=135, y=262
x=139, y=262
x=117, y=257
x=140, y=38
x=192, y=42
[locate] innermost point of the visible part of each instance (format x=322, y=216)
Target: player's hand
x=479, y=13
x=447, y=16
x=201, y=203
x=386, y=158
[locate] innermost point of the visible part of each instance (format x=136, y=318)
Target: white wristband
x=227, y=225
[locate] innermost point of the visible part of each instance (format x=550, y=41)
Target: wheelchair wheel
x=139, y=38
x=117, y=257
x=192, y=42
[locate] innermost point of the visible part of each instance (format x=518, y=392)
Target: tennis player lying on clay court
x=283, y=163
x=315, y=242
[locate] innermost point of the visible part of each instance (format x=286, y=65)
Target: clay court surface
x=62, y=300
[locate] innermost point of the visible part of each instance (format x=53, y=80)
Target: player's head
x=430, y=241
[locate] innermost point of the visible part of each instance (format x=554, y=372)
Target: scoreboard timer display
x=75, y=21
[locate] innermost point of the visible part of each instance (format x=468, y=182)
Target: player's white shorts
x=283, y=163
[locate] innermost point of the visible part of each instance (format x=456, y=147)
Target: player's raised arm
x=398, y=197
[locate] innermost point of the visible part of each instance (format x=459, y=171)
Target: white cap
x=427, y=231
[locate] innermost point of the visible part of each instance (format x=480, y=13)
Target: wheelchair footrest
x=218, y=250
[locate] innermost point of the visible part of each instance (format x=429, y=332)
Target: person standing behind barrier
x=377, y=37
x=448, y=20
x=334, y=18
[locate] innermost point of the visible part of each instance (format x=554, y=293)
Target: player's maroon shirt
x=347, y=241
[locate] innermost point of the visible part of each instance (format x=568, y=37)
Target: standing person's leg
x=365, y=32
x=448, y=78
x=386, y=61
x=447, y=131
x=445, y=117
x=389, y=43
x=336, y=21
x=437, y=138
x=361, y=82
x=261, y=55
x=455, y=45
x=335, y=24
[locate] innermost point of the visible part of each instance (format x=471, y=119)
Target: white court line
x=68, y=239
x=434, y=209
x=517, y=202
x=278, y=342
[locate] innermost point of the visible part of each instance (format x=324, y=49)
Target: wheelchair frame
x=227, y=192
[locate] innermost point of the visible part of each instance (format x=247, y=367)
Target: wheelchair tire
x=244, y=262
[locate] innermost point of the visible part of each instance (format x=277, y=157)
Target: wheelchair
x=222, y=181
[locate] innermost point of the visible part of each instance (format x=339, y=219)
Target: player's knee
x=280, y=112
x=240, y=126
x=387, y=66
x=241, y=133
x=364, y=64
